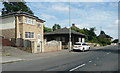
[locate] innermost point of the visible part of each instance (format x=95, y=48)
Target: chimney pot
x=73, y=24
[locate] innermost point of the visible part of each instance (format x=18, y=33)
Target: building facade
x=63, y=35
x=22, y=25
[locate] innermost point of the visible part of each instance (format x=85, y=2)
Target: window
x=38, y=23
x=20, y=19
x=29, y=20
x=29, y=34
x=38, y=36
x=77, y=43
x=84, y=44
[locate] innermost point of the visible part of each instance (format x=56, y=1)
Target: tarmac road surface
x=99, y=59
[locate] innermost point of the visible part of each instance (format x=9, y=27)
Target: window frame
x=29, y=35
x=38, y=23
x=29, y=20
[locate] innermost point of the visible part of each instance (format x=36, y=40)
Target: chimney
x=73, y=24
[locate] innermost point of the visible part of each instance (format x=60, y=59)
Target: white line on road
x=90, y=61
x=77, y=67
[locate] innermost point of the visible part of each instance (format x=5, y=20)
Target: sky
x=101, y=15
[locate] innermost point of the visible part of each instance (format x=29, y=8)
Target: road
x=99, y=59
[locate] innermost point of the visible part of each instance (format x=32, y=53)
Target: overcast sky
x=83, y=14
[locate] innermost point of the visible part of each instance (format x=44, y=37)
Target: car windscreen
x=84, y=44
x=77, y=43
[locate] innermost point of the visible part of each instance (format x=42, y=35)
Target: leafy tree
x=46, y=29
x=56, y=26
x=104, y=39
x=90, y=34
x=91, y=37
x=15, y=6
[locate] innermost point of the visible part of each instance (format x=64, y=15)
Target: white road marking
x=94, y=64
x=90, y=61
x=77, y=67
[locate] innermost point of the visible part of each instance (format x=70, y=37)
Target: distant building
x=63, y=35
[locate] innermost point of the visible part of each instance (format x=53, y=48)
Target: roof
x=73, y=26
x=22, y=13
x=63, y=31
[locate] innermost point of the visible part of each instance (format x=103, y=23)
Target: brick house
x=22, y=25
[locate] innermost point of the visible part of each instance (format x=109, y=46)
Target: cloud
x=81, y=26
x=0, y=13
x=61, y=7
x=45, y=16
x=72, y=0
x=112, y=29
x=112, y=4
x=117, y=21
x=63, y=23
x=88, y=0
x=84, y=15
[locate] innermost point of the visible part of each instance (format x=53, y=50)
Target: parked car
x=81, y=46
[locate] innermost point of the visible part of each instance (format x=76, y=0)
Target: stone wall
x=52, y=46
x=92, y=44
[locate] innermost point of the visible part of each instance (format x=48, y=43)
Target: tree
x=46, y=29
x=89, y=33
x=104, y=39
x=15, y=6
x=56, y=26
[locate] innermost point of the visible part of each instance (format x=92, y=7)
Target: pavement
x=30, y=56
x=11, y=59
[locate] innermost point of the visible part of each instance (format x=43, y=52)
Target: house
x=63, y=36
x=22, y=25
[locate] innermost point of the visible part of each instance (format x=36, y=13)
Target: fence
x=52, y=46
x=6, y=42
x=32, y=46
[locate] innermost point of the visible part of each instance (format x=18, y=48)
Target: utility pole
x=70, y=44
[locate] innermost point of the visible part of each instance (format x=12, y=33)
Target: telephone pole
x=70, y=44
